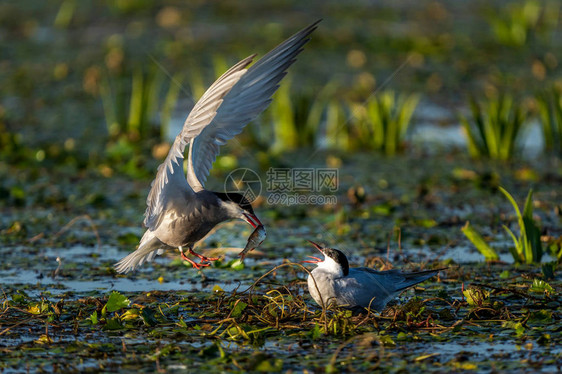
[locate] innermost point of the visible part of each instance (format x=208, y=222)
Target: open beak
x=314, y=260
x=252, y=220
x=317, y=246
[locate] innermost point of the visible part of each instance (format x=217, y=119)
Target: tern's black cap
x=338, y=257
x=236, y=198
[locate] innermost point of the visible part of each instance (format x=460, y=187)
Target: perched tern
x=180, y=211
x=357, y=288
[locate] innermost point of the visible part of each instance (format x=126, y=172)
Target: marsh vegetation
x=442, y=118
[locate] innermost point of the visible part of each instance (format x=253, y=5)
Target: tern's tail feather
x=149, y=247
x=411, y=279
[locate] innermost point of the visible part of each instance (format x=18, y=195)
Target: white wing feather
x=170, y=182
x=244, y=102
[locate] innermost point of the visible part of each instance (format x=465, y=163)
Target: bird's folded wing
x=247, y=99
x=170, y=183
x=395, y=279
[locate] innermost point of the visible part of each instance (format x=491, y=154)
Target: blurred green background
x=440, y=116
x=103, y=84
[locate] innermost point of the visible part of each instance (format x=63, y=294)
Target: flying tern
x=180, y=211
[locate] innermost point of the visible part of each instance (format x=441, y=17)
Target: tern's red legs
x=205, y=261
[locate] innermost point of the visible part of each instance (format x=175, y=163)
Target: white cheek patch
x=330, y=265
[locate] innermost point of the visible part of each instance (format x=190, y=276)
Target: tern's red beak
x=314, y=260
x=252, y=220
x=317, y=246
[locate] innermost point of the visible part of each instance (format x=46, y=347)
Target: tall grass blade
x=517, y=250
x=65, y=14
x=495, y=127
x=286, y=135
x=475, y=238
x=528, y=246
x=109, y=107
x=169, y=103
x=532, y=231
x=549, y=105
x=135, y=105
x=514, y=204
x=387, y=120
x=337, y=137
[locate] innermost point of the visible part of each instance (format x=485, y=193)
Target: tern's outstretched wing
x=245, y=101
x=170, y=182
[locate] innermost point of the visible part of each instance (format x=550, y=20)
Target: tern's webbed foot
x=203, y=258
x=205, y=261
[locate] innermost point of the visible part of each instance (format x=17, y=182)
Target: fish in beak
x=252, y=220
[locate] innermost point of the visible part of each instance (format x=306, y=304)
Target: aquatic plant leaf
x=475, y=296
x=541, y=286
x=544, y=339
x=541, y=316
x=517, y=326
x=386, y=340
x=426, y=223
x=267, y=366
x=19, y=297
x=528, y=246
x=465, y=366
x=514, y=204
x=44, y=339
x=237, y=264
x=425, y=357
x=116, y=302
x=548, y=270
x=149, y=317
x=238, y=309
x=516, y=251
x=550, y=111
x=488, y=252
x=130, y=314
x=35, y=309
x=521, y=242
x=315, y=332
x=495, y=127
x=286, y=134
x=113, y=324
x=94, y=317
x=217, y=289
x=402, y=336
x=532, y=231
